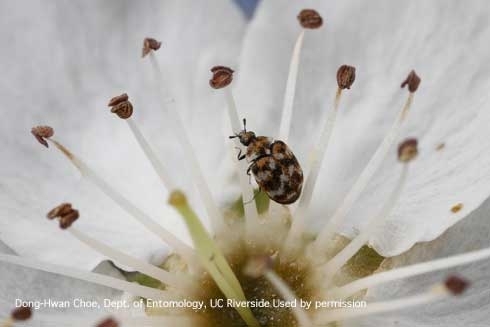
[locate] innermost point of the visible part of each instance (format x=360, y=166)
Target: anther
x=21, y=314
x=121, y=106
x=149, y=45
x=309, y=18
x=109, y=322
x=412, y=80
x=222, y=77
x=41, y=133
x=346, y=75
x=118, y=99
x=66, y=214
x=456, y=285
x=407, y=150
x=457, y=208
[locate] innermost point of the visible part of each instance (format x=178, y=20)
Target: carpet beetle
x=273, y=165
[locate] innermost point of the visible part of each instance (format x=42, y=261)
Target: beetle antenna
x=244, y=124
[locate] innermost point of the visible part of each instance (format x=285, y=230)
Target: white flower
x=78, y=56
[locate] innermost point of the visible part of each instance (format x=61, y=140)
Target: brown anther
x=59, y=211
x=121, y=106
x=117, y=100
x=457, y=208
x=346, y=75
x=109, y=322
x=41, y=133
x=309, y=18
x=21, y=314
x=222, y=77
x=412, y=80
x=456, y=285
x=407, y=150
x=150, y=44
x=257, y=266
x=440, y=146
x=66, y=214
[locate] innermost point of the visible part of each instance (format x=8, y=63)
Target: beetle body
x=273, y=165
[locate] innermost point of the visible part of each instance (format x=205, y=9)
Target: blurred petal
x=61, y=66
x=30, y=285
x=384, y=40
x=471, y=309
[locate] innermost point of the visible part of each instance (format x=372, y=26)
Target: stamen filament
x=215, y=216
x=90, y=277
x=436, y=293
x=211, y=256
x=179, y=282
x=333, y=265
x=250, y=208
x=300, y=216
x=157, y=165
x=288, y=295
x=410, y=271
x=287, y=109
x=180, y=247
x=362, y=181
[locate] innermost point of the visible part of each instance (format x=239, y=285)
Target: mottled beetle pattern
x=273, y=165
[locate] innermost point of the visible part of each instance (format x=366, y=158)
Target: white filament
x=351, y=249
x=179, y=282
x=250, y=208
x=288, y=295
x=287, y=110
x=90, y=277
x=438, y=293
x=180, y=247
x=300, y=216
x=214, y=214
x=157, y=165
x=374, y=163
x=410, y=271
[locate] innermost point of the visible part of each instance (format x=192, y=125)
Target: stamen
x=308, y=19
x=211, y=256
x=222, y=77
x=21, y=314
x=407, y=151
x=41, y=133
x=180, y=247
x=109, y=322
x=362, y=181
x=178, y=282
x=120, y=105
x=214, y=214
x=346, y=73
x=150, y=45
x=436, y=293
x=410, y=271
x=17, y=315
x=250, y=208
x=262, y=266
x=90, y=277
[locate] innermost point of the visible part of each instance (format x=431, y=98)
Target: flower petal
x=25, y=284
x=384, y=40
x=470, y=309
x=62, y=65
